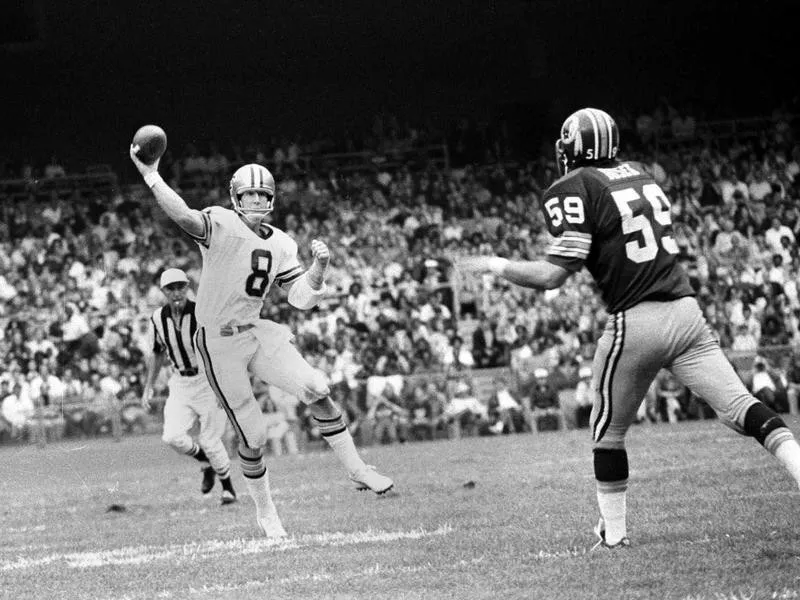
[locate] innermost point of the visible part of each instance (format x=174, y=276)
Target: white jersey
x=239, y=268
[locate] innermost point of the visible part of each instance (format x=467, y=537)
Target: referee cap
x=173, y=276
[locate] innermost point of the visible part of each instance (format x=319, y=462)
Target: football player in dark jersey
x=611, y=217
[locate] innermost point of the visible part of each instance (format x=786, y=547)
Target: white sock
x=259, y=492
x=788, y=453
x=614, y=510
x=345, y=450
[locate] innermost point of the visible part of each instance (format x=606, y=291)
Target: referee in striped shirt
x=191, y=399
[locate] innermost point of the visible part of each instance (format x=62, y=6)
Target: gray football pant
x=640, y=341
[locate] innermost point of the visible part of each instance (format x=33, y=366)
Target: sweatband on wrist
x=152, y=178
x=303, y=296
x=498, y=264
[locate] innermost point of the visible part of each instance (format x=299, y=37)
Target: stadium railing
x=97, y=180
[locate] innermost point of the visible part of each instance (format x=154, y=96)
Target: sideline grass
x=712, y=516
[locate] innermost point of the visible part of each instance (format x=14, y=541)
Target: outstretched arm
x=538, y=274
x=188, y=219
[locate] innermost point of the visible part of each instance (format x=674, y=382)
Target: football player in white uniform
x=242, y=257
x=191, y=399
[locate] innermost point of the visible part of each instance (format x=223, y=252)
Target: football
x=152, y=142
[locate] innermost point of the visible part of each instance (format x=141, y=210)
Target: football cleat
x=600, y=532
x=369, y=479
x=271, y=526
x=228, y=497
x=209, y=477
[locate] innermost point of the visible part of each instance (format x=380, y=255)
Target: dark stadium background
x=78, y=77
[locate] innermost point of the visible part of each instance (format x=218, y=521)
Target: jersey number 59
x=648, y=249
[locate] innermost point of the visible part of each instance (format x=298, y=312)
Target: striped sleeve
x=205, y=238
x=289, y=269
x=289, y=275
x=568, y=218
x=571, y=244
x=570, y=250
x=156, y=343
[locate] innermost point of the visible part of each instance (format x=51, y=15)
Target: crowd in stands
x=402, y=336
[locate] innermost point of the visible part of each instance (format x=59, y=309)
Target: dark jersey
x=616, y=221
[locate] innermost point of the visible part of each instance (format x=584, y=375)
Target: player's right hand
x=147, y=396
x=143, y=168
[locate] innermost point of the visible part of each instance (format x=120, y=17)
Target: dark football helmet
x=588, y=135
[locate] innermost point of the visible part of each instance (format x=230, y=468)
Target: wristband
x=497, y=264
x=151, y=179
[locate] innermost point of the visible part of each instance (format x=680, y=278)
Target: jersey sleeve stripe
x=568, y=252
x=577, y=235
x=572, y=243
x=287, y=271
x=289, y=279
x=206, y=236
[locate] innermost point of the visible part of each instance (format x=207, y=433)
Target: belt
x=189, y=372
x=227, y=330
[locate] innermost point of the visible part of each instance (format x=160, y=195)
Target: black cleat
x=228, y=497
x=209, y=477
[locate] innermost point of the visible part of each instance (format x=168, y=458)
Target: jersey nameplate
x=621, y=172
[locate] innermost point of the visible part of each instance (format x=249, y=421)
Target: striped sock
x=252, y=463
x=224, y=472
x=197, y=453
x=341, y=442
x=257, y=480
x=611, y=499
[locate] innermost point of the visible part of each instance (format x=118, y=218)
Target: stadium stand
x=80, y=255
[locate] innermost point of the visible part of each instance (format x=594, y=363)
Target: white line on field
x=374, y=570
x=137, y=555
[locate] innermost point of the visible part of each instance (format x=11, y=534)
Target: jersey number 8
x=260, y=264
x=647, y=251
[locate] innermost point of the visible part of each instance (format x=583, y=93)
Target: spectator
x=775, y=234
x=464, y=412
x=542, y=411
x=386, y=419
x=488, y=350
x=17, y=410
x=505, y=413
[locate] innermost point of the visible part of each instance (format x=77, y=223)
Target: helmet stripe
x=260, y=178
x=610, y=126
x=601, y=126
x=596, y=129
x=252, y=177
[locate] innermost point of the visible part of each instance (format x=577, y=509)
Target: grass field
x=711, y=516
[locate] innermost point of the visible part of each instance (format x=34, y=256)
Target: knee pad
x=316, y=387
x=173, y=440
x=760, y=421
x=257, y=435
x=610, y=464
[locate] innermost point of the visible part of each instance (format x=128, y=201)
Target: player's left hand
x=320, y=252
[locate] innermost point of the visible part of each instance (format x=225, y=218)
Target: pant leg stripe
x=212, y=380
x=604, y=414
x=601, y=396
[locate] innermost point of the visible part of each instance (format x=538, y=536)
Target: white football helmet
x=252, y=177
